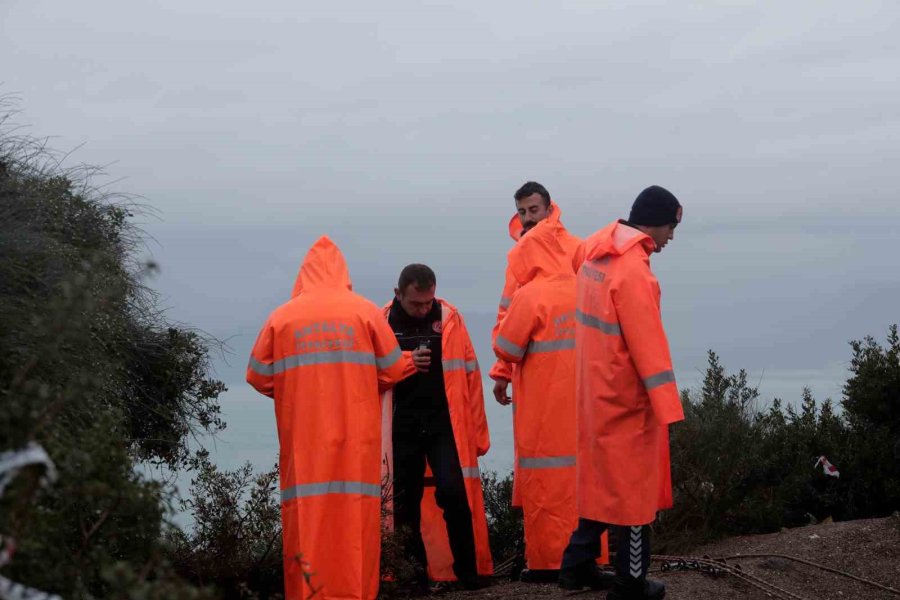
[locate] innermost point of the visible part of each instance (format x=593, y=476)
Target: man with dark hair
x=436, y=417
x=626, y=396
x=533, y=205
x=537, y=334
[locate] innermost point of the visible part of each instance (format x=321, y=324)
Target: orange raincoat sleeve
x=475, y=396
x=260, y=371
x=393, y=365
x=636, y=301
x=514, y=331
x=502, y=369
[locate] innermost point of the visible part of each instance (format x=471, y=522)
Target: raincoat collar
x=540, y=254
x=448, y=311
x=616, y=239
x=323, y=267
x=515, y=227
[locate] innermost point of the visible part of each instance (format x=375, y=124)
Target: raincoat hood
x=616, y=239
x=323, y=267
x=515, y=227
x=540, y=254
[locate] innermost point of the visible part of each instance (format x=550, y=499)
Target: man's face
x=417, y=303
x=532, y=210
x=663, y=233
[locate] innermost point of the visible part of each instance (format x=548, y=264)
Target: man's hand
x=422, y=359
x=500, y=386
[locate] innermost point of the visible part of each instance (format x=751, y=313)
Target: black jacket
x=420, y=401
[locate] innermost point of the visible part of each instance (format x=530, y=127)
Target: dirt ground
x=869, y=549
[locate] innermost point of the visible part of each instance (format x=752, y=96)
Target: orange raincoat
x=465, y=399
x=503, y=369
x=626, y=389
x=538, y=333
x=325, y=356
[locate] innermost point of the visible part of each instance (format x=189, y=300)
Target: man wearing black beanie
x=656, y=212
x=626, y=397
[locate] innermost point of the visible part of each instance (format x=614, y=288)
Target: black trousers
x=631, y=544
x=439, y=449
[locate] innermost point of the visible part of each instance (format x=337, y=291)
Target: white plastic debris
x=32, y=454
x=10, y=590
x=827, y=468
x=11, y=462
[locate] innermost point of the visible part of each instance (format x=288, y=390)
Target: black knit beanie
x=653, y=207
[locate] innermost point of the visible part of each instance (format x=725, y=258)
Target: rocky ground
x=869, y=549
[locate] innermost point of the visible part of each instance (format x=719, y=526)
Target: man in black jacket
x=422, y=430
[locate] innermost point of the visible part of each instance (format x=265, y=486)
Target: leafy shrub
x=90, y=369
x=506, y=531
x=739, y=469
x=235, y=543
x=872, y=409
x=398, y=569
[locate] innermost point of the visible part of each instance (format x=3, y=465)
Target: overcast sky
x=402, y=129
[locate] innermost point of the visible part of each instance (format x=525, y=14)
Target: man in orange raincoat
x=437, y=418
x=626, y=394
x=324, y=357
x=533, y=205
x=538, y=334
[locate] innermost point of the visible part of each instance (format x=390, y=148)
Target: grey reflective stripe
x=510, y=347
x=261, y=368
x=458, y=363
x=383, y=362
x=596, y=323
x=471, y=472
x=323, y=358
x=505, y=301
x=592, y=273
x=636, y=566
x=453, y=364
x=306, y=490
x=552, y=345
x=659, y=379
x=547, y=462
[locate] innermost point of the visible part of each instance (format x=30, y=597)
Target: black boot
x=579, y=567
x=585, y=575
x=632, y=564
x=630, y=588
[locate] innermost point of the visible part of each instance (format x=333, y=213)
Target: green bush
x=91, y=370
x=739, y=469
x=872, y=409
x=235, y=542
x=398, y=568
x=506, y=532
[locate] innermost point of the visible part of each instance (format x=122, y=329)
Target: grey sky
x=402, y=129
